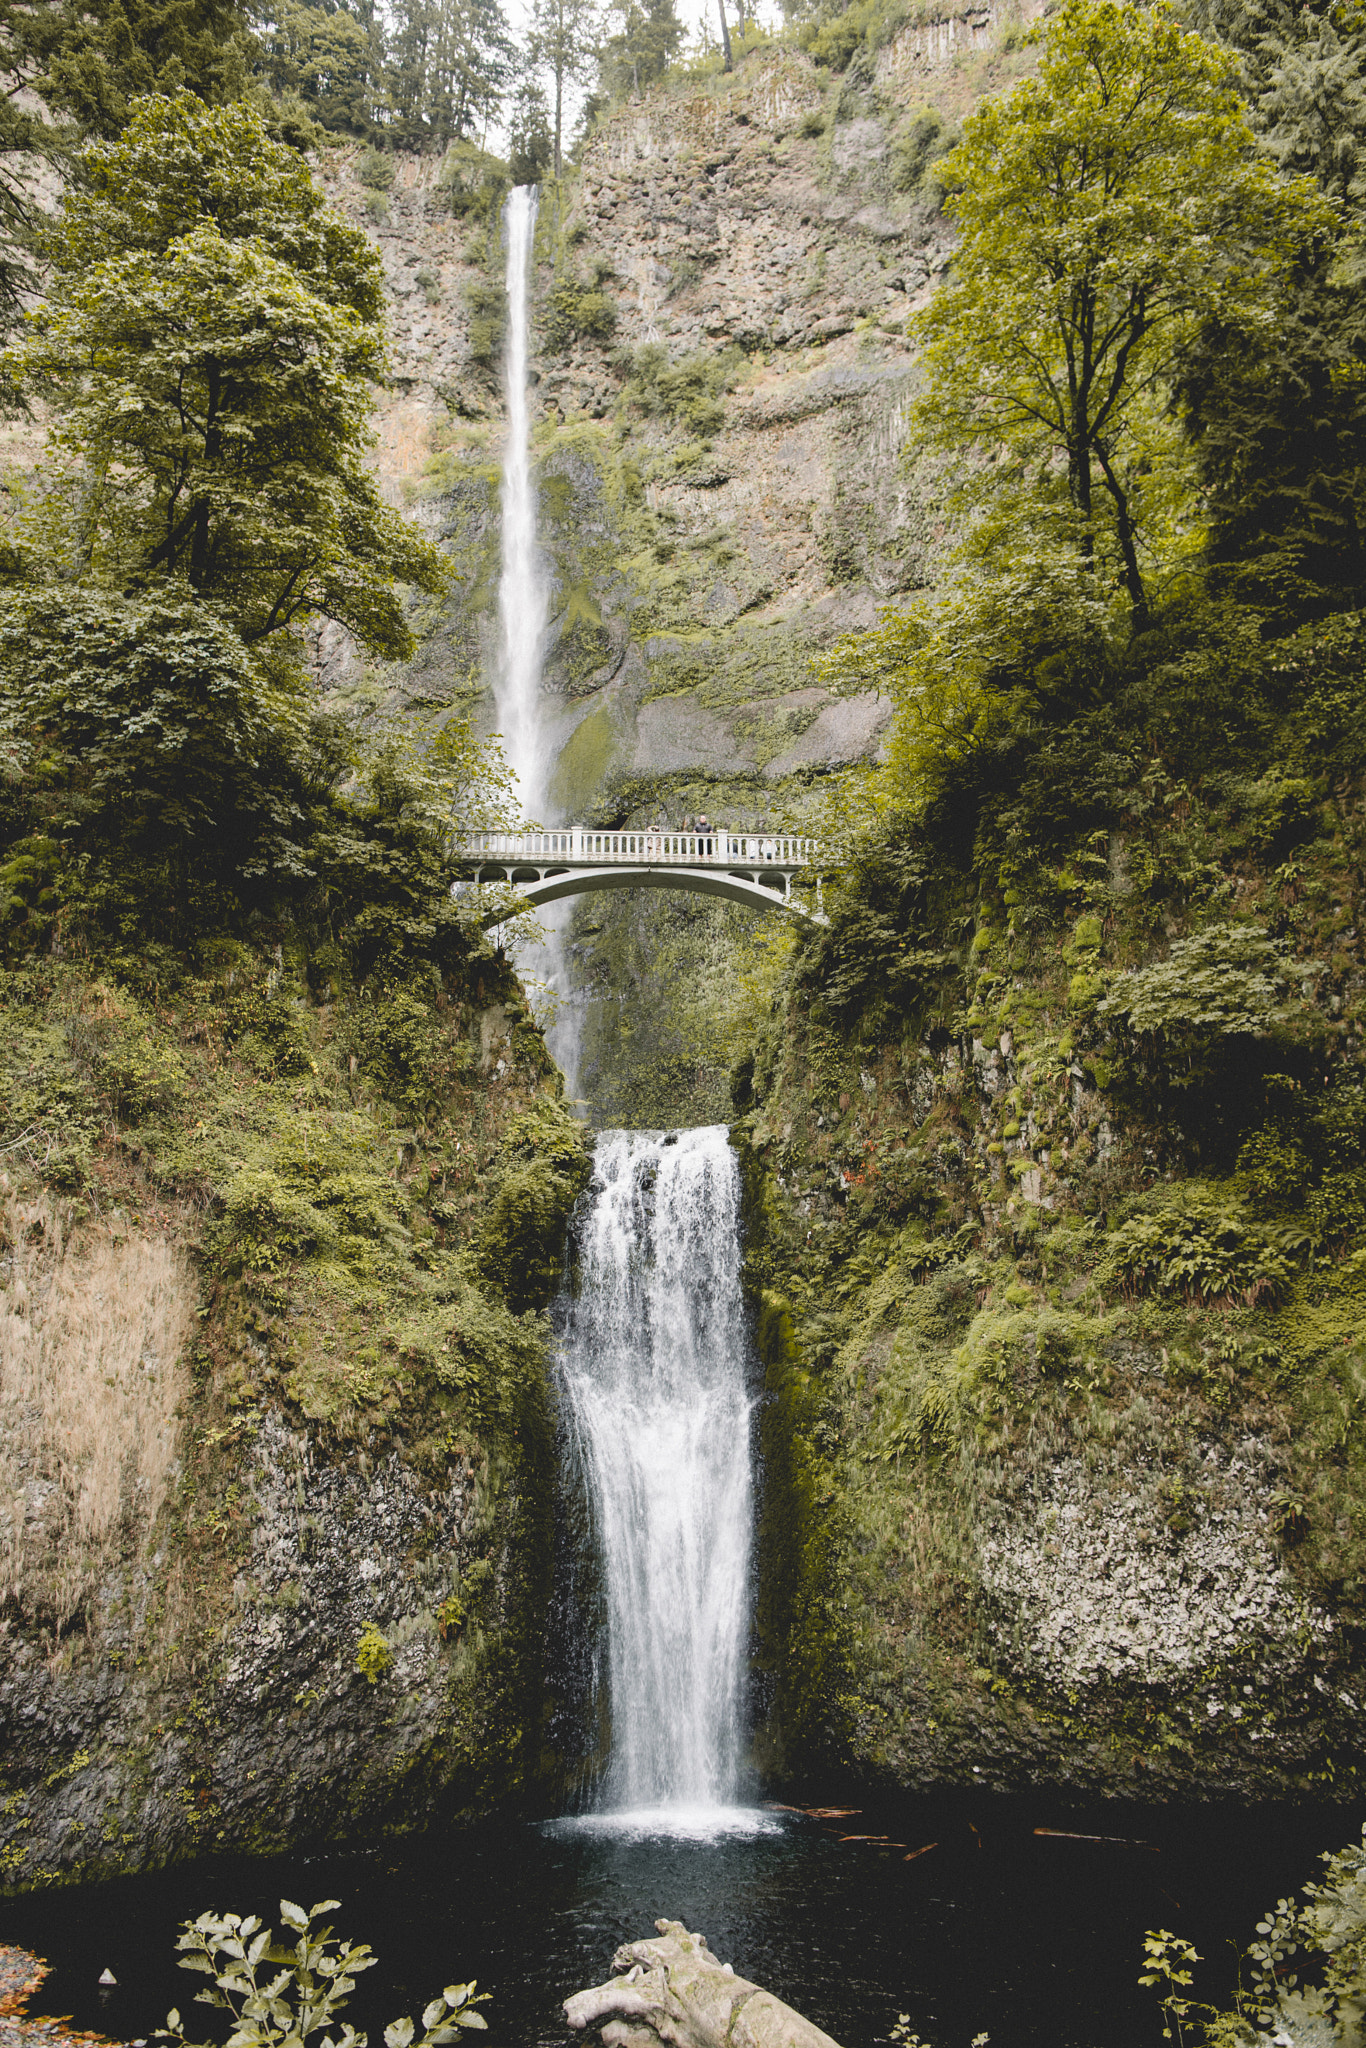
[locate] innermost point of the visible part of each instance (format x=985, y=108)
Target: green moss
x=584, y=762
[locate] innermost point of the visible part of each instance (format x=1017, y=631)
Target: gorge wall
x=719, y=316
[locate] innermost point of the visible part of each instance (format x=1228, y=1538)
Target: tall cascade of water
x=523, y=606
x=652, y=1368
x=521, y=588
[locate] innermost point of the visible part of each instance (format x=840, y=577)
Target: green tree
x=209, y=346
x=90, y=59
x=1105, y=209
x=1278, y=417
x=208, y=351
x=449, y=63
x=563, y=41
x=531, y=146
x=327, y=56
x=647, y=42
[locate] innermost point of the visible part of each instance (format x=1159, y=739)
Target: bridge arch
x=755, y=869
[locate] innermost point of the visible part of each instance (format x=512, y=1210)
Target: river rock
x=674, y=1990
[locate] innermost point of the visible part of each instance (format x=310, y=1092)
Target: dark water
x=1032, y=1939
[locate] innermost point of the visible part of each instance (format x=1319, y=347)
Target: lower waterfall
x=653, y=1378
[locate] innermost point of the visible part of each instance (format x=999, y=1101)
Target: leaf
x=294, y=1916
x=434, y=2012
x=398, y=2033
x=471, y=2019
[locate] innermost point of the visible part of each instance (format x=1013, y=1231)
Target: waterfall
x=652, y=1370
x=521, y=588
x=523, y=605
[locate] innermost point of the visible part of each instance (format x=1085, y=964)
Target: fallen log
x=674, y=1991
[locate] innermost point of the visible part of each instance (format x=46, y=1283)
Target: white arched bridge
x=756, y=868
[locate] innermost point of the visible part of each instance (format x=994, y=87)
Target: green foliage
x=375, y=169
x=322, y=64
x=689, y=392
x=1279, y=418
x=373, y=1654
x=210, y=341
x=91, y=63
x=643, y=48
x=472, y=184
x=1228, y=980
x=279, y=1992
x=579, y=310
x=1105, y=207
x=1324, y=1929
x=521, y=1245
x=1168, y=1959
x=1330, y=1926
x=1198, y=1245
x=920, y=147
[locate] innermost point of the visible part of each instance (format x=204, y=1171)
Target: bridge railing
x=717, y=847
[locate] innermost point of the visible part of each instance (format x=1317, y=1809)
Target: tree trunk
x=559, y=104
x=725, y=33
x=1128, y=547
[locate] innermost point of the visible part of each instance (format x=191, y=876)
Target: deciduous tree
x=1105, y=208
x=209, y=346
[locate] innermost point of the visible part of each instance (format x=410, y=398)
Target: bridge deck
x=757, y=868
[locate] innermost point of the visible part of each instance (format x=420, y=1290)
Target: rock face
x=674, y=1990
x=720, y=426
x=151, y=1766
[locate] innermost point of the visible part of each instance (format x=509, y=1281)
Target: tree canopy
x=209, y=342
x=208, y=351
x=1106, y=208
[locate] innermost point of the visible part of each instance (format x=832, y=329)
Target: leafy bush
x=1325, y=1929
x=1199, y=1245
x=472, y=183
x=579, y=308
x=271, y=1224
x=375, y=170
x=1229, y=980
x=690, y=391
x=373, y=1655
x=919, y=147
x=301, y=1988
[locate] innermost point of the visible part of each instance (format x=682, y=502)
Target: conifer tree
x=563, y=42
x=642, y=50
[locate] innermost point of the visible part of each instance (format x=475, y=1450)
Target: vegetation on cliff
x=285, y=1169
x=1062, y=1117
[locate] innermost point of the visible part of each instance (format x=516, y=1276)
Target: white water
x=653, y=1373
x=523, y=606
x=521, y=588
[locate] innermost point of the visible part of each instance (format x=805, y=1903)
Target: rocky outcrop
x=675, y=1991
x=113, y=1759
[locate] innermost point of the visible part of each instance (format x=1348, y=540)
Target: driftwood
x=674, y=1991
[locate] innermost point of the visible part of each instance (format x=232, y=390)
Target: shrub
x=373, y=1654
x=1200, y=1246
x=1227, y=980
x=1327, y=1928
x=280, y=1994
x=375, y=170
x=269, y=1223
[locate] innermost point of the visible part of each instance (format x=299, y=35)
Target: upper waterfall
x=521, y=588
x=653, y=1372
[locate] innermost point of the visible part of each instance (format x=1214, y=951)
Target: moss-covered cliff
x=276, y=1453
x=1058, y=1212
